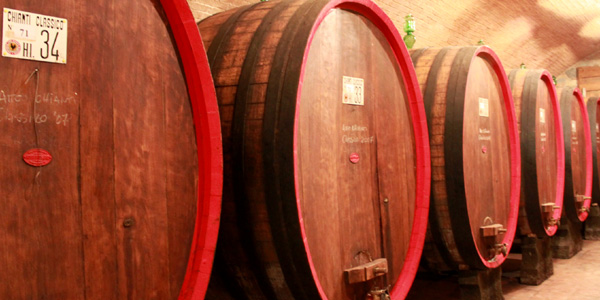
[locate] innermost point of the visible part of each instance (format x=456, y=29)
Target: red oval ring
x=37, y=157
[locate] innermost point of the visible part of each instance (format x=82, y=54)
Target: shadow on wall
x=550, y=28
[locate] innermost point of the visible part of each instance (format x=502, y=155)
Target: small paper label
x=573, y=126
x=542, y=115
x=484, y=107
x=353, y=91
x=32, y=36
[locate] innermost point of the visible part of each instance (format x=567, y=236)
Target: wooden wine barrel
x=325, y=148
x=542, y=151
x=111, y=153
x=578, y=154
x=475, y=154
x=592, y=109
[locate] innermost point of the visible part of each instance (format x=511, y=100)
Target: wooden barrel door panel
x=542, y=151
x=113, y=215
x=325, y=144
x=356, y=127
x=578, y=155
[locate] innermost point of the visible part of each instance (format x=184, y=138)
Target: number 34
x=49, y=51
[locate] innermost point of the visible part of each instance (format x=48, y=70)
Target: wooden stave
x=533, y=222
x=570, y=210
x=198, y=89
x=208, y=131
x=460, y=252
x=271, y=132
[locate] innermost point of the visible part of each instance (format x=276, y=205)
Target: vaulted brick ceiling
x=550, y=34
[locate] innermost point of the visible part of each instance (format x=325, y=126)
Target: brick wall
x=569, y=76
x=542, y=34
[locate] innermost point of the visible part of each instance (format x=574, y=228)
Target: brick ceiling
x=550, y=34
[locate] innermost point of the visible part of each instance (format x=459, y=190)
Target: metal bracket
x=499, y=249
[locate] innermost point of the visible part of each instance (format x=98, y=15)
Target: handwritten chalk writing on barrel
x=21, y=117
x=60, y=118
x=46, y=98
x=357, y=139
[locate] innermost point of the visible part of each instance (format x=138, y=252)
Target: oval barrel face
x=355, y=156
x=112, y=214
x=486, y=155
x=546, y=156
x=475, y=173
x=578, y=154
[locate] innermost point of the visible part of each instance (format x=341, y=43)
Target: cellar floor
x=573, y=279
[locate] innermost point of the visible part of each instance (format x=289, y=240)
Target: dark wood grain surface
x=112, y=216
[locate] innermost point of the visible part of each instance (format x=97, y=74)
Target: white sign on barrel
x=32, y=36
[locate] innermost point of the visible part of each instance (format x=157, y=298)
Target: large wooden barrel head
x=111, y=156
x=475, y=154
x=592, y=109
x=326, y=142
x=542, y=151
x=578, y=154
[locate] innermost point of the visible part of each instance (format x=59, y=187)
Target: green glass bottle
x=409, y=28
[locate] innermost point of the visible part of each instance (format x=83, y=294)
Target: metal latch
x=581, y=198
x=549, y=207
x=492, y=230
x=366, y=271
